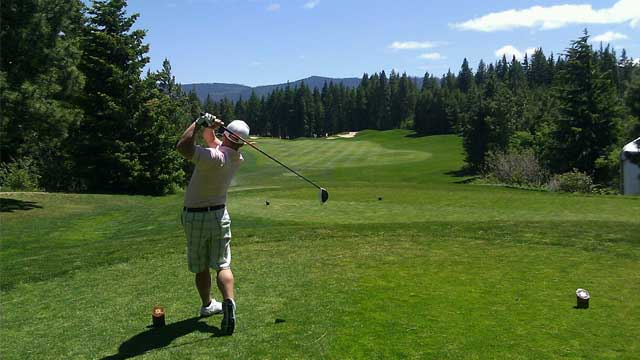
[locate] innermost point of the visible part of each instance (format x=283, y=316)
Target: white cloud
x=509, y=51
x=609, y=36
x=637, y=61
x=273, y=7
x=553, y=17
x=432, y=56
x=311, y=4
x=412, y=45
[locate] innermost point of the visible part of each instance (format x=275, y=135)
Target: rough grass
x=436, y=269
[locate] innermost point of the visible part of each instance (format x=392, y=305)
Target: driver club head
x=324, y=195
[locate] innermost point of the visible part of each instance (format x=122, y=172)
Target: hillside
x=234, y=92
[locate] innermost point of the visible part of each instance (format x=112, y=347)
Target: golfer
x=204, y=217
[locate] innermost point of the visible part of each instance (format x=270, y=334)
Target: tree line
x=80, y=114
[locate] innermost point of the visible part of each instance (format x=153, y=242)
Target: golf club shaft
x=270, y=157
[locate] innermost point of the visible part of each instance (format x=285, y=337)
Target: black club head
x=324, y=195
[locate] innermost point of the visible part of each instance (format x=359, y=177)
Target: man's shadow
x=156, y=338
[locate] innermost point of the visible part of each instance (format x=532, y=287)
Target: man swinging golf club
x=205, y=219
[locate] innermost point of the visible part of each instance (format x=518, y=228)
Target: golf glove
x=206, y=120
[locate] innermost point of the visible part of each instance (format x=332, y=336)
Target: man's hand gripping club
x=186, y=145
x=207, y=120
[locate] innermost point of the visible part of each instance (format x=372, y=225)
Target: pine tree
x=301, y=115
x=481, y=74
x=631, y=129
x=253, y=114
x=589, y=112
x=193, y=104
x=112, y=61
x=239, y=111
x=465, y=77
x=372, y=100
x=449, y=81
x=552, y=66
x=490, y=122
x=318, y=114
x=166, y=82
x=395, y=99
x=383, y=103
x=226, y=110
x=625, y=64
x=516, y=76
x=502, y=68
x=157, y=167
x=423, y=105
x=608, y=63
x=360, y=109
x=39, y=84
x=210, y=106
x=408, y=98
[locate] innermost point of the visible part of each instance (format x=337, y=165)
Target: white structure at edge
x=630, y=171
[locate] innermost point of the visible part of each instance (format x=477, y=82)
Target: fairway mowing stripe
x=338, y=158
x=306, y=150
x=320, y=157
x=358, y=151
x=316, y=161
x=361, y=150
x=359, y=155
x=300, y=159
x=330, y=154
x=346, y=153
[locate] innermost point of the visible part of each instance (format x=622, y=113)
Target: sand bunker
x=350, y=134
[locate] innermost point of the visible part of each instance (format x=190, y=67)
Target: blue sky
x=260, y=42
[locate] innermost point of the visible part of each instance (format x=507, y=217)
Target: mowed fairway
x=436, y=269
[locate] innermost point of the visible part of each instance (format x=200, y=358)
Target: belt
x=204, y=209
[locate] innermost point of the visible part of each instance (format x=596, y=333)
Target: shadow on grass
x=467, y=176
x=11, y=205
x=161, y=337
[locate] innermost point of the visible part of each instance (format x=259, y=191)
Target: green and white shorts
x=208, y=239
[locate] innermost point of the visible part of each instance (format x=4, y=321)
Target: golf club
x=323, y=195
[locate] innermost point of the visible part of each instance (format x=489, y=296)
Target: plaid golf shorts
x=208, y=239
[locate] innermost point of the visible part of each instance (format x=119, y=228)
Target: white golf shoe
x=214, y=308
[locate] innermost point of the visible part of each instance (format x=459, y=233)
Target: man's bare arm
x=186, y=145
x=209, y=136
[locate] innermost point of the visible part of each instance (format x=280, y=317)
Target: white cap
x=239, y=128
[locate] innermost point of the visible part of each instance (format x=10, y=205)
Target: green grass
x=436, y=269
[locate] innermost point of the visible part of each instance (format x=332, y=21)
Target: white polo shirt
x=212, y=176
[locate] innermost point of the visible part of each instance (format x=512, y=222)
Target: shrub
x=607, y=170
x=516, y=168
x=573, y=181
x=19, y=175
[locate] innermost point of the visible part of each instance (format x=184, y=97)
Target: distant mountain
x=233, y=92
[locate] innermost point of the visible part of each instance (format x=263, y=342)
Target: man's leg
x=225, y=283
x=203, y=283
